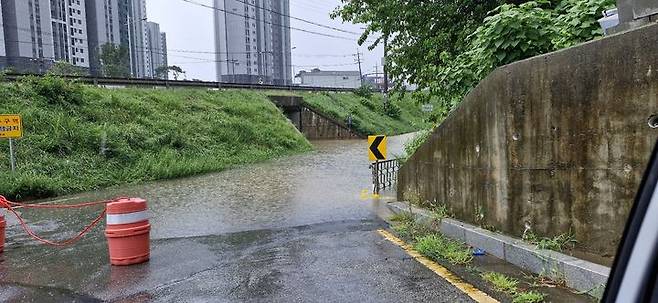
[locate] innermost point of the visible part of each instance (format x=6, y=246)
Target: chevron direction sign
x=377, y=148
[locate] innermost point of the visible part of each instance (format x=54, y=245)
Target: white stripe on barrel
x=116, y=219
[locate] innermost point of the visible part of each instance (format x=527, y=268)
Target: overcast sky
x=190, y=27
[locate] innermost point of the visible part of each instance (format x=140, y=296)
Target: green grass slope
x=80, y=138
x=368, y=114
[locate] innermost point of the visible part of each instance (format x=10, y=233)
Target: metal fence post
x=384, y=174
x=377, y=185
x=12, y=155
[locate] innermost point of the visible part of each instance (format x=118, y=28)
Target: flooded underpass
x=295, y=229
x=325, y=185
x=270, y=212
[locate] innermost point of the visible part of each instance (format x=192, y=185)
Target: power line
x=300, y=19
x=52, y=34
x=293, y=65
x=323, y=65
x=310, y=6
x=200, y=60
x=251, y=52
x=204, y=60
x=270, y=23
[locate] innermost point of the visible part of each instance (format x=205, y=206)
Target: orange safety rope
x=56, y=206
x=10, y=206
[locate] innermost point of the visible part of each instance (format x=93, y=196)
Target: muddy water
x=322, y=186
x=317, y=187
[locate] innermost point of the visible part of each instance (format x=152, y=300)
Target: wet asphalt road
x=291, y=230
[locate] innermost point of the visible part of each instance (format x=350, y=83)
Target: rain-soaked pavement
x=296, y=229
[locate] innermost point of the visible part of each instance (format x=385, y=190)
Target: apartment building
x=157, y=51
x=103, y=27
x=34, y=34
x=28, y=35
x=69, y=32
x=134, y=33
x=3, y=51
x=163, y=46
x=252, y=41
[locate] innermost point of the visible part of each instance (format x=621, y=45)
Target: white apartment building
x=34, y=34
x=252, y=41
x=69, y=32
x=103, y=26
x=157, y=52
x=28, y=34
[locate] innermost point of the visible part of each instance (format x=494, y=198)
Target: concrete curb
x=581, y=275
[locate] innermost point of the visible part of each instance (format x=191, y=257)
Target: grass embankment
x=80, y=138
x=369, y=116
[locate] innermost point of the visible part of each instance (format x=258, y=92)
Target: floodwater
x=326, y=185
x=293, y=229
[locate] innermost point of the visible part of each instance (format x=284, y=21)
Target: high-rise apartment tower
x=252, y=41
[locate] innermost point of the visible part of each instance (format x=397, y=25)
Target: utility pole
x=376, y=74
x=358, y=60
x=385, y=64
x=385, y=72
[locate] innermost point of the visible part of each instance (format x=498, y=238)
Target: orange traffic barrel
x=128, y=231
x=3, y=224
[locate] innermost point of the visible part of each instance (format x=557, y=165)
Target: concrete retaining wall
x=317, y=126
x=557, y=143
x=311, y=122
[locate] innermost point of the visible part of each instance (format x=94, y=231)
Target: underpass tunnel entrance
x=314, y=124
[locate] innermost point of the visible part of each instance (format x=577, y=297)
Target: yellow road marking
x=468, y=289
x=366, y=195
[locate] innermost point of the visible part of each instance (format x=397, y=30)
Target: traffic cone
x=128, y=231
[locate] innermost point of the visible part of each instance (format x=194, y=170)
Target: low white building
x=341, y=79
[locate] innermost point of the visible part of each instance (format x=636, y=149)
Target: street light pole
x=292, y=67
x=129, y=24
x=130, y=45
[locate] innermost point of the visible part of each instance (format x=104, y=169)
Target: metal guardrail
x=183, y=83
x=384, y=174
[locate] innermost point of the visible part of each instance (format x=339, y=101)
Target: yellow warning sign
x=11, y=126
x=377, y=148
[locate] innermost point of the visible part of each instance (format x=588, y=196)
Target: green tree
x=577, y=21
x=162, y=71
x=115, y=60
x=63, y=68
x=176, y=71
x=364, y=91
x=511, y=33
x=447, y=46
x=421, y=35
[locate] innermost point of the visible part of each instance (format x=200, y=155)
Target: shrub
x=55, y=90
x=515, y=32
x=367, y=102
x=577, y=21
x=392, y=110
x=365, y=91
x=411, y=146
